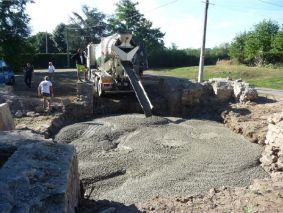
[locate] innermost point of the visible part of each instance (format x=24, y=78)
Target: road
x=56, y=70
x=269, y=91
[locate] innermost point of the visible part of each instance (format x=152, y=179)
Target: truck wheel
x=96, y=85
x=100, y=89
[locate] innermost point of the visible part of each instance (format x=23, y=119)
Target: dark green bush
x=40, y=60
x=180, y=58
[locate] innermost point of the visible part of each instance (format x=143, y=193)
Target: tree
x=253, y=49
x=38, y=42
x=237, y=47
x=14, y=30
x=264, y=33
x=255, y=46
x=91, y=26
x=220, y=51
x=60, y=37
x=128, y=18
x=277, y=43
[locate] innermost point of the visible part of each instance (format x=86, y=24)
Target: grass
x=257, y=76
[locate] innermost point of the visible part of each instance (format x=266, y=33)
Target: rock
x=7, y=200
x=6, y=119
x=248, y=94
x=38, y=175
x=212, y=192
x=19, y=114
x=272, y=156
x=222, y=88
x=31, y=114
x=226, y=89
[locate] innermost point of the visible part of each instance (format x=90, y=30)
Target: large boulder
x=226, y=90
x=37, y=175
x=6, y=119
x=223, y=88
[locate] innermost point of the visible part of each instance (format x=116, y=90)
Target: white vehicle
x=115, y=67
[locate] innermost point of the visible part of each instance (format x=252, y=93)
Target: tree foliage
x=14, y=30
x=259, y=46
x=91, y=26
x=128, y=18
x=59, y=35
x=277, y=43
x=40, y=40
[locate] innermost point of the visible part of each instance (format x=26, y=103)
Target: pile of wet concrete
x=129, y=158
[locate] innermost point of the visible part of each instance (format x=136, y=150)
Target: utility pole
x=67, y=45
x=202, y=51
x=46, y=42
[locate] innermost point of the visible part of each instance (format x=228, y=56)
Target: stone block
x=38, y=176
x=248, y=94
x=222, y=88
x=6, y=119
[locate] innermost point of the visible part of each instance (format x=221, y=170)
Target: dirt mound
x=131, y=159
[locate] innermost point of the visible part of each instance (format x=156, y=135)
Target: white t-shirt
x=45, y=86
x=51, y=68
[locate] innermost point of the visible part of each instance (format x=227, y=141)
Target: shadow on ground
x=264, y=100
x=90, y=206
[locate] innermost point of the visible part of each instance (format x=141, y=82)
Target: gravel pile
x=131, y=159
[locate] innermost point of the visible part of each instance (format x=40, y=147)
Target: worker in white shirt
x=51, y=70
x=45, y=90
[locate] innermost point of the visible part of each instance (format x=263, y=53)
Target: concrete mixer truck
x=116, y=65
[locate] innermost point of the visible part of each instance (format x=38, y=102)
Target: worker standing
x=45, y=90
x=28, y=73
x=80, y=60
x=51, y=70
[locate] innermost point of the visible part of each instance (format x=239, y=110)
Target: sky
x=180, y=20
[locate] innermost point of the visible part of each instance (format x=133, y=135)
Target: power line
x=163, y=5
x=243, y=8
x=270, y=3
x=229, y=6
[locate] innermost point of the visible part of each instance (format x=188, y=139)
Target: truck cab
x=7, y=75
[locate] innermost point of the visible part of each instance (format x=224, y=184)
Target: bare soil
x=64, y=84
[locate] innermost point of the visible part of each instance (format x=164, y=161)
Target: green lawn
x=257, y=76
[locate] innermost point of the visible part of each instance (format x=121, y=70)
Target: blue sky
x=181, y=20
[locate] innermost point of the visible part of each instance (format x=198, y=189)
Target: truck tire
x=95, y=86
x=100, y=91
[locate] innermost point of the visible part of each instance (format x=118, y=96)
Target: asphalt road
x=269, y=91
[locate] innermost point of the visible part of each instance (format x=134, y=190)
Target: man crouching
x=45, y=90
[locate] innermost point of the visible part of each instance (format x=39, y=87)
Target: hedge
x=179, y=58
x=156, y=59
x=40, y=60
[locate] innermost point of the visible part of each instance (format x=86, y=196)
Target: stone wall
x=186, y=97
x=38, y=175
x=272, y=157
